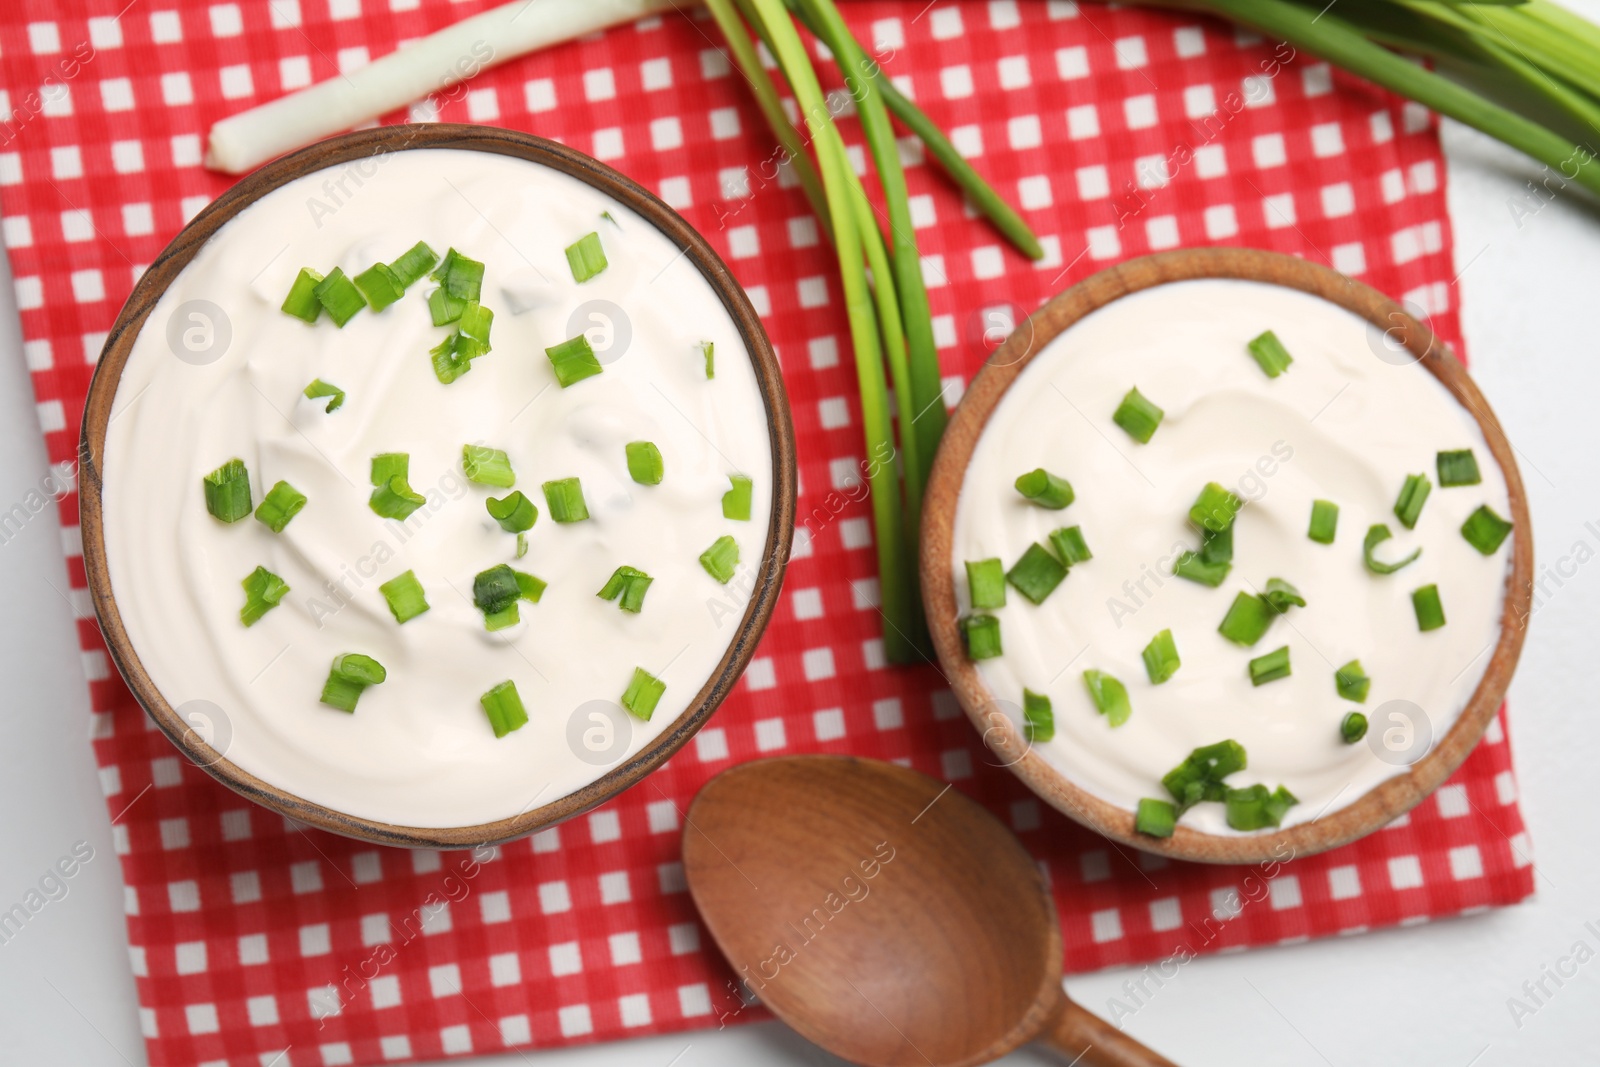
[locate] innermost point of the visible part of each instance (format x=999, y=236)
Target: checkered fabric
x=1119, y=131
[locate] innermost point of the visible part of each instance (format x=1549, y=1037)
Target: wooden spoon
x=885, y=916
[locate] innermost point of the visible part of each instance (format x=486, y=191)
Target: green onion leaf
x=1247, y=620
x=522, y=545
x=405, y=596
x=1458, y=468
x=1192, y=567
x=643, y=692
x=380, y=286
x=644, y=462
x=319, y=389
x=282, y=503
x=573, y=361
x=630, y=584
x=465, y=278
x=414, y=264
x=1254, y=808
x=1216, y=546
x=1484, y=530
x=349, y=677
x=495, y=589
x=395, y=499
x=1352, y=682
x=736, y=501
x=565, y=499
x=1199, y=777
x=1214, y=509
x=530, y=588
x=721, y=558
x=1161, y=657
x=450, y=360
x=1412, y=496
x=514, y=512
x=586, y=258
x=1138, y=416
x=1070, y=545
x=1324, y=521
x=262, y=592
x=709, y=350
x=1430, y=612
x=474, y=324
x=1377, y=535
x=981, y=635
x=227, y=491
x=1270, y=353
x=444, y=308
x=1158, y=818
x=1037, y=573
x=302, y=300
x=502, y=619
x=487, y=466
x=442, y=271
x=1281, y=596
x=1038, y=717
x=1109, y=695
x=1353, y=727
x=1271, y=667
x=986, y=583
x=1045, y=489
x=388, y=465
x=339, y=296
x=503, y=706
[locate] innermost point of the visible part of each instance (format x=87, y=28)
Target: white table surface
x=1434, y=994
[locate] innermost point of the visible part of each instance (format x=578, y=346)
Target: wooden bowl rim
x=362, y=145
x=1375, y=808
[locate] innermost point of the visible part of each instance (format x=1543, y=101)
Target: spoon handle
x=1087, y=1039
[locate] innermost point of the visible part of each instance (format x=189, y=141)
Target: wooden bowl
x=332, y=153
x=1373, y=809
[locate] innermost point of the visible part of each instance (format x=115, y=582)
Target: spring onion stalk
x=1158, y=818
x=444, y=308
x=986, y=584
x=414, y=264
x=350, y=676
x=1216, y=546
x=1458, y=468
x=1214, y=509
x=586, y=257
x=227, y=491
x=564, y=496
x=1270, y=354
x=1045, y=489
x=573, y=360
x=1070, y=545
x=1254, y=808
x=981, y=635
x=1199, y=777
x=1109, y=695
x=319, y=389
x=1324, y=522
x=627, y=585
x=405, y=596
x=302, y=300
x=644, y=462
x=1281, y=596
x=487, y=466
x=1352, y=682
x=514, y=512
x=1353, y=727
x=1377, y=535
x=282, y=503
x=503, y=705
x=1485, y=530
x=1413, y=494
x=1160, y=656
x=1037, y=573
x=643, y=694
x=380, y=285
x=393, y=497
x=1430, y=611
x=263, y=591
x=1038, y=717
x=530, y=588
x=1270, y=667
x=1247, y=620
x=708, y=349
x=339, y=296
x=721, y=559
x=736, y=501
x=1189, y=565
x=1138, y=416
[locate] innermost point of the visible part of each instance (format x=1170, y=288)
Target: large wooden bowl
x=1378, y=806
x=336, y=152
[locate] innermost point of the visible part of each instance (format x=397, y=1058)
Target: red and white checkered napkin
x=1119, y=132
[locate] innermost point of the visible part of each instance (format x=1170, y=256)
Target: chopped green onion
x=1109, y=695
x=1353, y=727
x=1038, y=717
x=1216, y=546
x=1247, y=620
x=1281, y=596
x=1254, y=808
x=1458, y=468
x=387, y=465
x=573, y=361
x=1192, y=567
x=643, y=692
x=475, y=323
x=1070, y=545
x=709, y=350
x=1484, y=530
x=500, y=620
x=1158, y=818
x=514, y=512
x=503, y=706
x=319, y=389
x=262, y=592
x=586, y=258
x=487, y=466
x=644, y=462
x=495, y=592
x=414, y=264
x=464, y=281
x=530, y=588
x=1271, y=667
x=1377, y=535
x=450, y=361
x=380, y=285
x=394, y=498
x=1161, y=657
x=442, y=271
x=1045, y=489
x=227, y=491
x=349, y=677
x=522, y=545
x=1138, y=416
x=1412, y=496
x=1199, y=777
x=1037, y=573
x=339, y=296
x=1352, y=682
x=986, y=583
x=444, y=308
x=302, y=300
x=981, y=635
x=630, y=584
x=405, y=596
x=721, y=558
x=1430, y=612
x=736, y=501
x=1215, y=508
x=282, y=503
x=1324, y=521
x=565, y=499
x=1270, y=353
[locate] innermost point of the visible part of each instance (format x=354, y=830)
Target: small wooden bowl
x=332, y=153
x=1378, y=806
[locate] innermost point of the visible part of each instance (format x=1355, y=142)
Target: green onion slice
x=1352, y=682
x=1215, y=508
x=514, y=512
x=475, y=324
x=1270, y=354
x=263, y=590
x=444, y=308
x=1430, y=612
x=380, y=285
x=405, y=596
x=1458, y=468
x=503, y=705
x=1038, y=717
x=1254, y=808
x=487, y=466
x=1247, y=620
x=573, y=360
x=495, y=589
x=389, y=465
x=986, y=583
x=1281, y=596
x=339, y=296
x=394, y=499
x=522, y=545
x=227, y=491
x=644, y=462
x=564, y=496
x=450, y=358
x=414, y=264
x=1377, y=535
x=1216, y=546
x=643, y=692
x=1192, y=567
x=1161, y=657
x=586, y=258
x=1484, y=530
x=500, y=620
x=1045, y=489
x=1413, y=495
x=302, y=300
x=721, y=558
x=530, y=588
x=282, y=503
x=1158, y=818
x=1037, y=573
x=1109, y=695
x=1324, y=522
x=736, y=501
x=464, y=277
x=349, y=677
x=1199, y=777
x=981, y=635
x=1271, y=667
x=319, y=389
x=709, y=350
x=1138, y=416
x=1353, y=727
x=1070, y=545
x=442, y=271
x=630, y=585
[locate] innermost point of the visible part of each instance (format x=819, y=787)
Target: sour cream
x=1342, y=424
x=419, y=751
